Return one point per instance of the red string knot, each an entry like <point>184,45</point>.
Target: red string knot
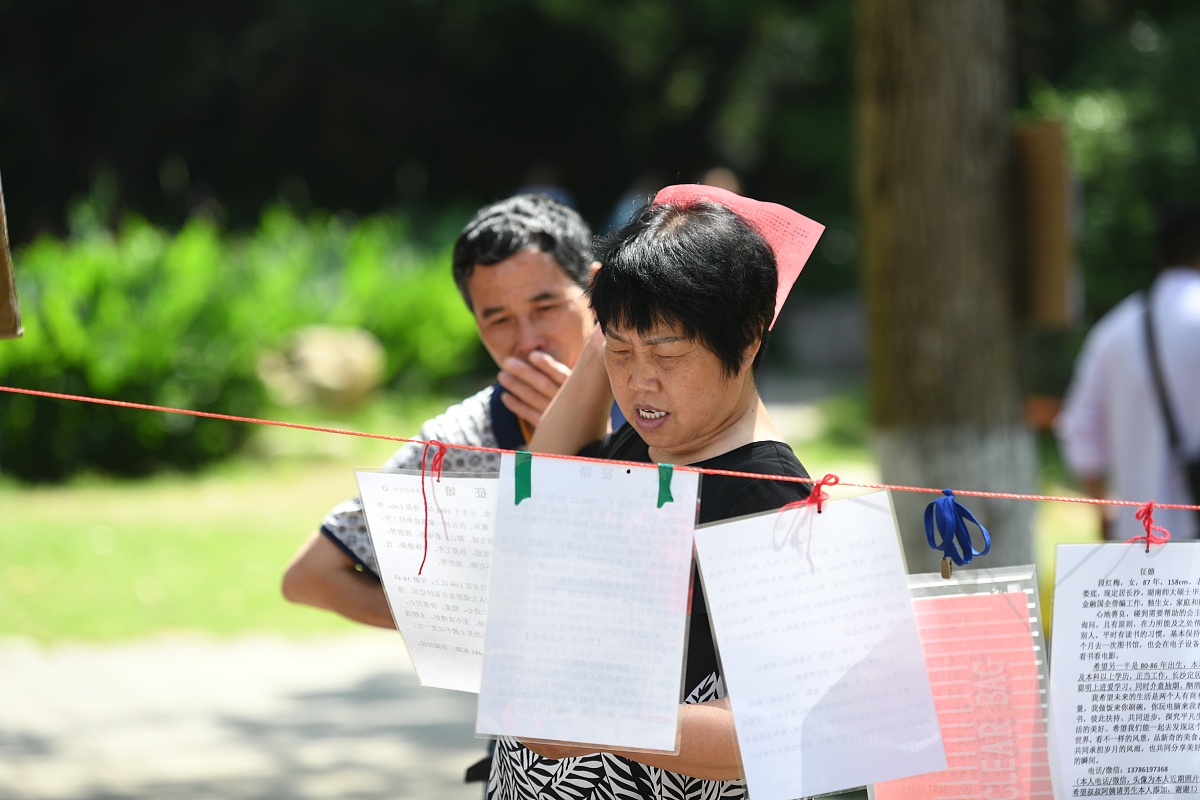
<point>818,495</point>
<point>435,470</point>
<point>1145,515</point>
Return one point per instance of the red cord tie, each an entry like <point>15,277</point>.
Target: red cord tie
<point>1145,515</point>
<point>818,495</point>
<point>435,470</point>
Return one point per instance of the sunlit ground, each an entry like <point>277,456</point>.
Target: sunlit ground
<point>101,559</point>
<point>1059,523</point>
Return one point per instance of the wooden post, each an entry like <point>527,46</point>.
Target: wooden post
<point>10,310</point>
<point>1046,278</point>
<point>1049,246</point>
<point>934,157</point>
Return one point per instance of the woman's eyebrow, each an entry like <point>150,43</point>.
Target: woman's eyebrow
<point>664,339</point>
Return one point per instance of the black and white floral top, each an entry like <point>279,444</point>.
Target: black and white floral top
<point>520,774</point>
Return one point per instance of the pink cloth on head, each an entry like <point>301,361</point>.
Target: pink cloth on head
<point>792,236</point>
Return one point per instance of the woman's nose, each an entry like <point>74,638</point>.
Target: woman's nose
<point>643,377</point>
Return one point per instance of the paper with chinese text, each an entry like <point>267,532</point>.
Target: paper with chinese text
<point>1125,672</point>
<point>588,606</point>
<point>819,648</point>
<point>441,613</point>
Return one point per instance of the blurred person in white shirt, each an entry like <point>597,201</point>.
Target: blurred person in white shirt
<point>1112,430</point>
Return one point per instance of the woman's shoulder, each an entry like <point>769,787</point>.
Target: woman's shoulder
<point>764,458</point>
<point>725,497</point>
<point>623,444</point>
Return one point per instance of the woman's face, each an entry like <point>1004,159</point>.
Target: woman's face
<point>673,389</point>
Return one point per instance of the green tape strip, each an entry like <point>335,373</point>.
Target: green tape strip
<point>664,484</point>
<point>524,476</point>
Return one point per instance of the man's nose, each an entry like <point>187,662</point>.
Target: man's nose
<point>529,338</point>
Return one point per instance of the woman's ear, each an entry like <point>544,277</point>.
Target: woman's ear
<point>749,356</point>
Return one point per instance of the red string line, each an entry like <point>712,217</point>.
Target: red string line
<point>435,470</point>
<point>1094,501</point>
<point>1145,515</point>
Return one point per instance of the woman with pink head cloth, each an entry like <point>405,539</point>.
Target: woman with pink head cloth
<point>686,295</point>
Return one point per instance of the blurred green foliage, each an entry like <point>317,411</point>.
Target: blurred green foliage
<point>847,419</point>
<point>180,319</point>
<point>229,106</point>
<point>1122,76</point>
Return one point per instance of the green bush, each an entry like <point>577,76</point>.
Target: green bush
<point>181,319</point>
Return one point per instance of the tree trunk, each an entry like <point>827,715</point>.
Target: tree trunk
<point>934,96</point>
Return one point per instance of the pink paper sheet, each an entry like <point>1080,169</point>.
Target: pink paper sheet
<point>980,656</point>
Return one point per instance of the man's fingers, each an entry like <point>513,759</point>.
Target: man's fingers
<point>554,369</point>
<point>533,376</point>
<point>521,409</point>
<point>524,392</point>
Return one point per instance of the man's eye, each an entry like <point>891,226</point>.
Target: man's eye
<point>495,323</point>
<point>549,308</point>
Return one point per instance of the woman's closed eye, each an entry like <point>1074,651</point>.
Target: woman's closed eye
<point>671,351</point>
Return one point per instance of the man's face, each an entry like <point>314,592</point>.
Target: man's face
<point>527,302</point>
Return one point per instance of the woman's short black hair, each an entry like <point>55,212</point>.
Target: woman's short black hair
<point>700,266</point>
<point>523,222</point>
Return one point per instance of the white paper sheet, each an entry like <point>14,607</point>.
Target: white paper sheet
<point>588,606</point>
<point>819,648</point>
<point>1125,669</point>
<point>441,613</point>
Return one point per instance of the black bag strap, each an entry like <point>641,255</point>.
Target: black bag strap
<point>1159,387</point>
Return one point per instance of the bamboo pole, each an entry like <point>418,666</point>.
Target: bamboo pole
<point>10,309</point>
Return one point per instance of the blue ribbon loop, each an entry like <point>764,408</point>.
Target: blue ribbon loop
<point>952,519</point>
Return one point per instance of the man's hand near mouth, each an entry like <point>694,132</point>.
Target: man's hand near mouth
<point>531,385</point>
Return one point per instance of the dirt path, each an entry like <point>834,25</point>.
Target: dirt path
<point>255,716</point>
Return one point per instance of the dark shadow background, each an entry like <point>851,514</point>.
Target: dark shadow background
<point>226,106</point>
<point>363,106</point>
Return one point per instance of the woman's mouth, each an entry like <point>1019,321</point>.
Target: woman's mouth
<point>649,419</point>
